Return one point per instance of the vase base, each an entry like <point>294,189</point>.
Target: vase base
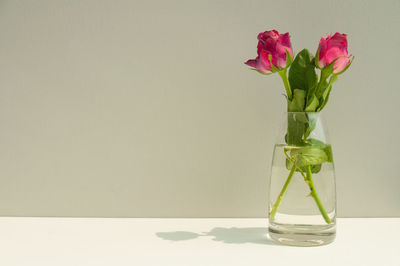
<point>302,238</point>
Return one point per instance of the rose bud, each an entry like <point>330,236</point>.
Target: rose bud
<point>333,49</point>
<point>274,47</point>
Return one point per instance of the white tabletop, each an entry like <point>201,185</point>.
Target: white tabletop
<point>123,241</point>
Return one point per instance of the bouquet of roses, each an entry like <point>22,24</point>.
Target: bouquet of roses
<point>306,93</point>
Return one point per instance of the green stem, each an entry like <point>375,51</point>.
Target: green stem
<point>315,195</point>
<point>280,196</point>
<point>285,80</point>
<point>323,77</point>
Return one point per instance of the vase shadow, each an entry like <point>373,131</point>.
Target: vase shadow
<point>232,235</point>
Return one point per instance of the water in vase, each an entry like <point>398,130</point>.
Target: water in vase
<point>302,218</point>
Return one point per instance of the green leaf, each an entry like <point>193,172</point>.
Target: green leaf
<point>325,99</point>
<point>328,151</point>
<point>299,99</point>
<point>326,147</point>
<point>312,89</point>
<point>314,153</point>
<point>308,155</point>
<point>311,123</point>
<point>333,79</point>
<point>315,142</point>
<point>296,127</point>
<point>312,104</point>
<point>324,84</point>
<point>326,92</point>
<point>302,73</point>
<point>311,76</point>
<point>315,168</point>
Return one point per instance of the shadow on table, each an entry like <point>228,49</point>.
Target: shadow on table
<point>233,235</point>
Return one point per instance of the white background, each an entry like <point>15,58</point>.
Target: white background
<point>153,242</point>
<point>145,108</point>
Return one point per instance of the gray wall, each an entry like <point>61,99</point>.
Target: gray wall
<point>145,108</point>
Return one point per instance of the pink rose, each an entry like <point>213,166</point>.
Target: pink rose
<point>274,45</point>
<point>333,48</point>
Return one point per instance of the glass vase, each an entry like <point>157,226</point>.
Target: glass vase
<point>302,198</point>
